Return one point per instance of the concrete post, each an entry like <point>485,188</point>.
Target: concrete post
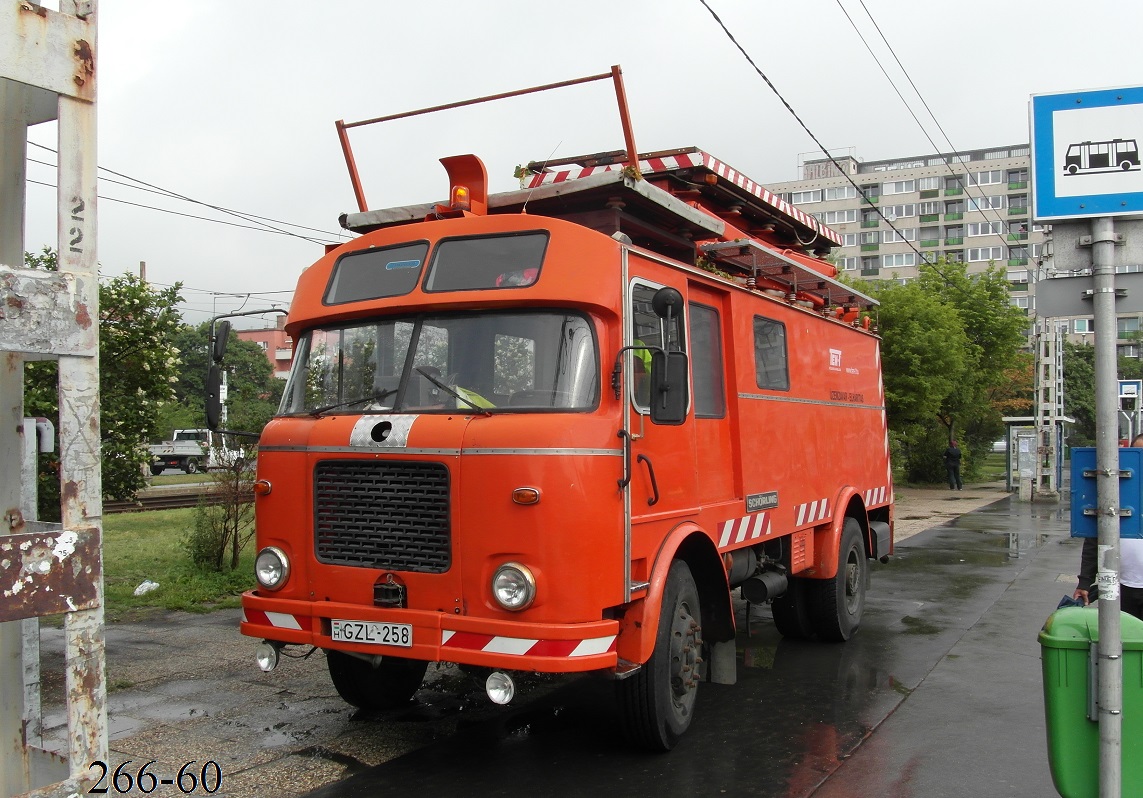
<point>13,153</point>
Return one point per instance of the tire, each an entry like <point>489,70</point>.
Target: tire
<point>657,703</point>
<point>836,605</point>
<point>191,466</point>
<point>791,611</point>
<point>1073,169</point>
<point>390,684</point>
<point>1126,165</point>
<point>156,470</point>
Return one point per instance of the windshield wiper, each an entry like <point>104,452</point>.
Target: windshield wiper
<point>450,391</point>
<point>377,397</point>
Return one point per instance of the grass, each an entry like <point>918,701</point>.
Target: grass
<point>172,477</point>
<point>994,467</point>
<point>148,545</point>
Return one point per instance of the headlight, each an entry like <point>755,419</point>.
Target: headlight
<point>272,568</point>
<point>513,586</point>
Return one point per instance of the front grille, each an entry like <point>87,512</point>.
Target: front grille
<point>391,515</point>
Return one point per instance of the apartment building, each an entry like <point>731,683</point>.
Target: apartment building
<point>276,343</point>
<point>966,207</point>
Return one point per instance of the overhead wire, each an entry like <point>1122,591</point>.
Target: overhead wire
<point>260,222</point>
<point>809,132</point>
<point>191,215</point>
<point>909,108</point>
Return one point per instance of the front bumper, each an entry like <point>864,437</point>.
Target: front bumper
<point>437,637</point>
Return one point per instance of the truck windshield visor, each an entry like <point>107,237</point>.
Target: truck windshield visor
<point>483,362</point>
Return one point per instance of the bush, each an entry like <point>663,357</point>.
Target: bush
<point>224,519</point>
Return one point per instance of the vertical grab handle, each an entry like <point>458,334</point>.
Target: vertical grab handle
<point>626,480</point>
<point>653,500</point>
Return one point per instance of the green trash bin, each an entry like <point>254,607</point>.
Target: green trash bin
<point>1067,649</point>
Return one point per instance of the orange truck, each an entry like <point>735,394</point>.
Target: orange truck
<point>567,429</point>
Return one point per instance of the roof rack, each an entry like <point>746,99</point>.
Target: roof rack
<point>691,170</point>
<point>783,270</point>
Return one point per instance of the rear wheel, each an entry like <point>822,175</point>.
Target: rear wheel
<point>836,605</point>
<point>192,466</point>
<point>156,470</point>
<point>657,703</point>
<point>791,611</point>
<point>388,684</point>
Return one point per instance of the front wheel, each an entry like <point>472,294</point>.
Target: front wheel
<point>389,683</point>
<point>1126,165</point>
<point>657,703</point>
<point>836,605</point>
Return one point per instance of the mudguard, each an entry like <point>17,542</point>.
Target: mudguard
<point>639,624</point>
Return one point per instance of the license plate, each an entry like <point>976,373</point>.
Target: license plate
<point>370,632</point>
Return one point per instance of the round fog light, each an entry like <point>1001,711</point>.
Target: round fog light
<point>500,687</point>
<point>266,655</point>
<point>272,568</point>
<point>513,586</point>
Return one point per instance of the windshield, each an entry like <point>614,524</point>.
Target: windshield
<point>482,362</point>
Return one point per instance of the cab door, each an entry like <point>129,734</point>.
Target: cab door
<point>661,492</point>
<point>717,456</point>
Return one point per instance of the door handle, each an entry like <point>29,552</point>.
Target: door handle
<point>652,501</point>
<point>626,480</point>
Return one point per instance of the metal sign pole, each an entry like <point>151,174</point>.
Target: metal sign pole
<point>1110,667</point>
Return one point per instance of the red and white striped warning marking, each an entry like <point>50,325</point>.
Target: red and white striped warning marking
<point>876,496</point>
<point>748,527</point>
<point>522,646</point>
<point>279,620</point>
<point>812,512</point>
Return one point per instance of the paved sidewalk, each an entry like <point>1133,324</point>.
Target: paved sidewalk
<point>918,509</point>
<point>975,724</point>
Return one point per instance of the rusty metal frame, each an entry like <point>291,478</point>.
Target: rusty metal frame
<point>616,76</point>
<point>47,71</point>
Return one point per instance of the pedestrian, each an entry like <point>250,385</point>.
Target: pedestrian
<point>952,466</point>
<point>1130,569</point>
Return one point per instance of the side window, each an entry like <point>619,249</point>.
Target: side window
<point>770,358</point>
<point>648,330</point>
<point>706,363</point>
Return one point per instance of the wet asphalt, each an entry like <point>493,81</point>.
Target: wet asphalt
<point>938,694</point>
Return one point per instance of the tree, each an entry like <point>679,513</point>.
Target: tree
<point>1079,388</point>
<point>1079,392</point>
<point>137,365</point>
<point>951,361</point>
<point>254,392</point>
<point>923,353</point>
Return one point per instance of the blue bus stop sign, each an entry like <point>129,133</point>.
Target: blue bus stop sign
<point>1085,153</point>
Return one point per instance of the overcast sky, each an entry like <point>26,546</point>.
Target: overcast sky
<point>233,103</point>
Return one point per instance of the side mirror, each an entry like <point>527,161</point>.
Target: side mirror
<point>669,387</point>
<point>218,345</point>
<point>214,396</point>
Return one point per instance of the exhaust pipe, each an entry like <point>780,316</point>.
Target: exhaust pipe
<point>764,586</point>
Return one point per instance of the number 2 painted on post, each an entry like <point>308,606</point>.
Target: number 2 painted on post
<point>76,232</point>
